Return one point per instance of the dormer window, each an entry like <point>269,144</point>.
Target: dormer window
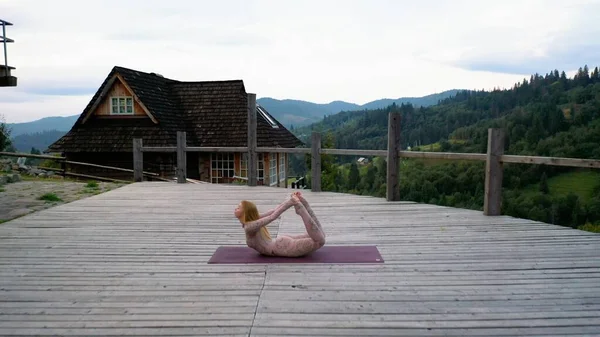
<point>121,105</point>
<point>266,116</point>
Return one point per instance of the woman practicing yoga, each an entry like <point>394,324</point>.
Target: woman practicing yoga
<point>258,237</point>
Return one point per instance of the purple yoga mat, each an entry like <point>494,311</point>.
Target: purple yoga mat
<point>327,254</point>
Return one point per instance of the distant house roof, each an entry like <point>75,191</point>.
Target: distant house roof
<point>213,113</point>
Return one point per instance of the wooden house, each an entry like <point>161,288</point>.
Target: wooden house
<point>133,104</point>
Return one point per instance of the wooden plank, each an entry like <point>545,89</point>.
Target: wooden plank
<point>315,181</point>
<point>252,142</point>
<point>493,173</point>
<point>89,176</point>
<point>297,150</point>
<point>421,330</point>
<point>109,167</point>
<point>393,165</point>
<point>165,149</point>
<point>287,173</point>
<point>29,155</point>
<point>552,161</point>
<point>443,155</point>
<point>181,157</point>
<point>138,160</point>
<point>133,261</point>
<point>355,152</point>
<point>216,149</point>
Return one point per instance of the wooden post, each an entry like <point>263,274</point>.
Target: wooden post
<point>393,158</point>
<point>493,173</point>
<point>63,167</point>
<point>286,156</point>
<point>316,162</point>
<point>252,157</point>
<point>181,157</point>
<point>278,168</point>
<point>138,160</point>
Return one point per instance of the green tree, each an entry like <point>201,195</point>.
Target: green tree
<point>353,177</point>
<point>544,184</point>
<point>4,135</point>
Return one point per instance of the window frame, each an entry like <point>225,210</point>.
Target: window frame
<point>272,169</point>
<point>221,162</point>
<point>282,166</point>
<point>128,99</point>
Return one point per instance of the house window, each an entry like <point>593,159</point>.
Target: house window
<point>244,165</point>
<point>121,105</point>
<point>273,169</point>
<point>266,116</point>
<point>222,167</point>
<point>282,167</point>
<point>260,167</point>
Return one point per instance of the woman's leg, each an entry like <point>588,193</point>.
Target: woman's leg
<point>288,247</point>
<point>310,211</point>
<point>312,228</point>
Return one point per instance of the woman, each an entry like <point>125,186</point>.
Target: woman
<point>258,237</point>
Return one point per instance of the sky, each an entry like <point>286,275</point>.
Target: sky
<point>318,51</point>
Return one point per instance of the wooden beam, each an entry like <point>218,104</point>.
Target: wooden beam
<point>108,167</point>
<point>553,161</point>
<point>277,155</point>
<point>393,159</point>
<point>159,149</point>
<point>492,204</point>
<point>354,152</point>
<point>252,156</point>
<point>99,99</point>
<point>29,155</point>
<point>137,99</point>
<point>315,184</point>
<point>297,150</point>
<point>443,155</point>
<point>285,184</point>
<point>181,157</point>
<point>138,160</point>
<point>79,175</point>
<point>216,149</point>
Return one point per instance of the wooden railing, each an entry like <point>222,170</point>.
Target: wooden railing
<point>63,171</point>
<point>494,158</point>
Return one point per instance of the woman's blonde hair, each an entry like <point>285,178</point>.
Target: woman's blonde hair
<point>250,213</point>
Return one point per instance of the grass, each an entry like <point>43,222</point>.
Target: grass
<point>582,183</point>
<point>2,189</point>
<point>588,227</point>
<point>92,185</point>
<point>50,197</point>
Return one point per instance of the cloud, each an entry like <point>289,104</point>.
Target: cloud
<point>321,51</point>
<point>536,37</point>
<point>61,91</point>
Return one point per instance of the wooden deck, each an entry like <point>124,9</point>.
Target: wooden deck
<point>133,262</point>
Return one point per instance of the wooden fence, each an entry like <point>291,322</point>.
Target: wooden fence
<point>63,170</point>
<point>494,158</point>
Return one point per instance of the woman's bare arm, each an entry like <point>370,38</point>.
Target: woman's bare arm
<point>254,226</point>
<point>269,212</point>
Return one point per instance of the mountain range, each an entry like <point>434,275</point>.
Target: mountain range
<point>42,132</point>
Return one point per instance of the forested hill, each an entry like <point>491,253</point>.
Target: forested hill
<point>533,112</point>
<point>549,115</point>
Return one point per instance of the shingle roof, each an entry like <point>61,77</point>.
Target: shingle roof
<point>213,113</point>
